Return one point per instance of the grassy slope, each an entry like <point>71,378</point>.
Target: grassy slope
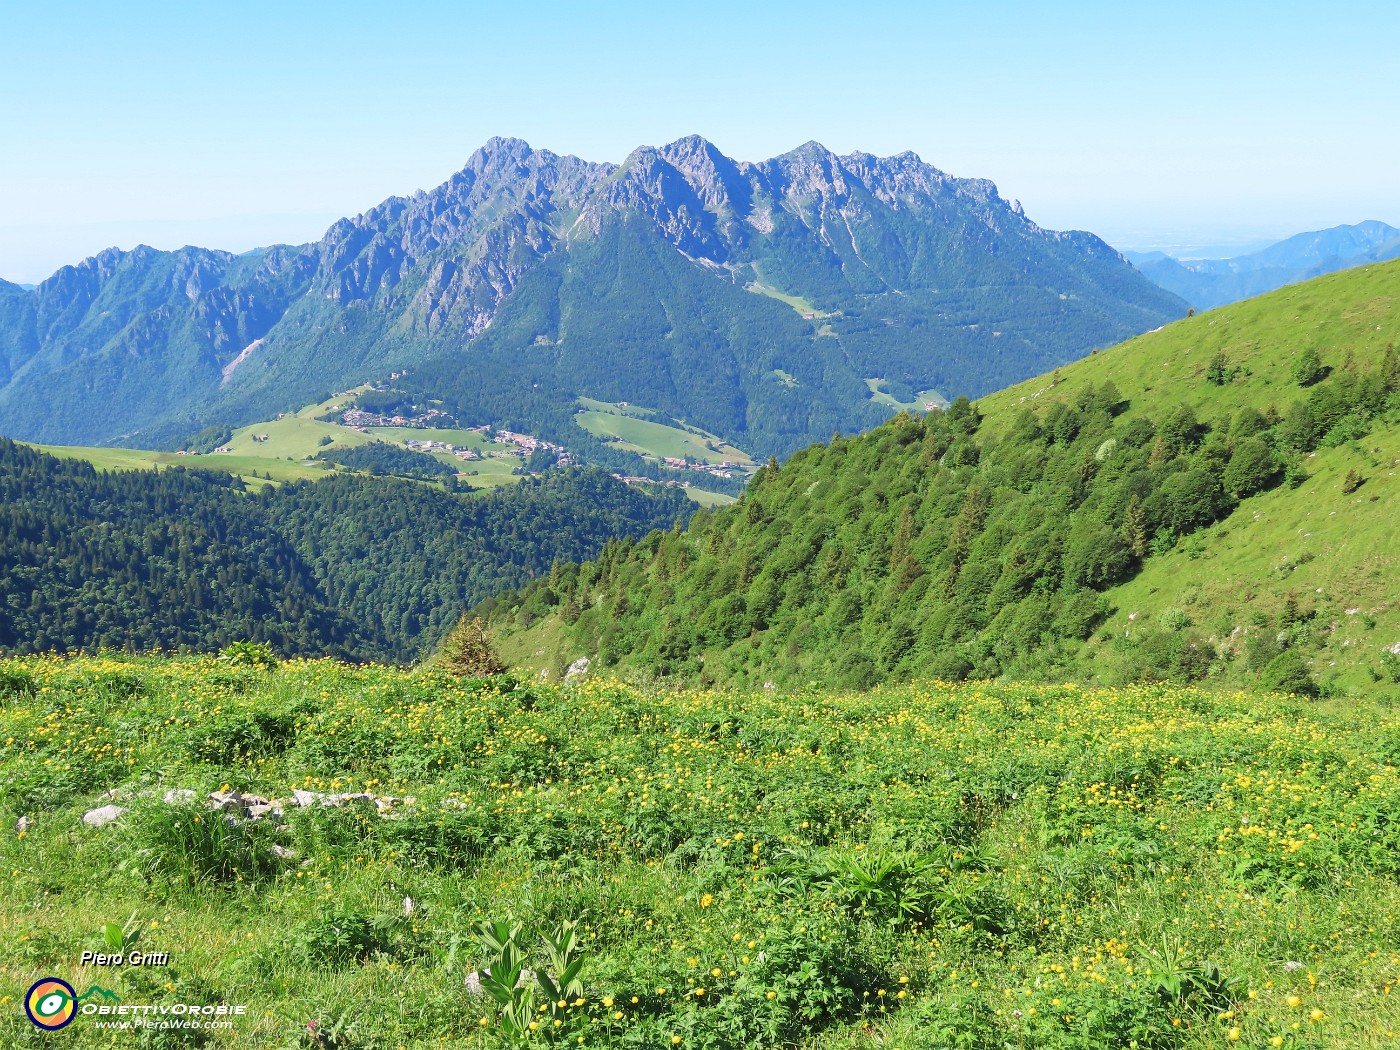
<point>104,458</point>
<point>878,393</point>
<point>731,843</point>
<point>708,499</point>
<point>1337,552</point>
<point>659,440</point>
<point>1357,310</point>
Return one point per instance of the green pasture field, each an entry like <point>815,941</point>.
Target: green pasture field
<point>801,305</point>
<point>706,498</point>
<point>245,466</point>
<point>658,440</point>
<point>291,443</point>
<point>878,393</point>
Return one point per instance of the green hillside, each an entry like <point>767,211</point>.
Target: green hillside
<point>974,866</point>
<point>1336,552</point>
<point>1207,501</point>
<point>359,567</point>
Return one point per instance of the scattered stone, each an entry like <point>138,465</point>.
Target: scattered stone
<point>408,905</point>
<point>95,818</point>
<point>282,852</point>
<point>577,669</point>
<point>236,806</point>
<point>231,802</point>
<point>1292,966</point>
<point>24,824</point>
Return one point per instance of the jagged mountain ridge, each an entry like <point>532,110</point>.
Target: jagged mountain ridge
<point>145,346</point>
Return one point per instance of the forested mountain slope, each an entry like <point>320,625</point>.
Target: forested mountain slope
<point>752,300</point>
<point>364,568</point>
<point>1205,500</point>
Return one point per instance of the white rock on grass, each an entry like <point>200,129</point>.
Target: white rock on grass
<point>175,796</point>
<point>95,818</point>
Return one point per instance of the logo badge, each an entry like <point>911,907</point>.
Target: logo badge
<point>51,1003</point>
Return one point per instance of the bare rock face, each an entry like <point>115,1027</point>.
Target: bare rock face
<point>102,815</point>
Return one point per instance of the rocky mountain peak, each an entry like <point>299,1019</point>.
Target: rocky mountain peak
<point>499,150</point>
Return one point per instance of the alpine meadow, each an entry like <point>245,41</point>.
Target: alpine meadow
<point>666,601</point>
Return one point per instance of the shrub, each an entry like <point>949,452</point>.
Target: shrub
<point>1288,673</point>
<point>1251,469</point>
<point>249,654</point>
<point>346,936</point>
<point>192,845</point>
<point>1308,369</point>
<point>1175,619</point>
<point>229,740</point>
<point>467,652</point>
<point>15,684</point>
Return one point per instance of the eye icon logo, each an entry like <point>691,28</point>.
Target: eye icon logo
<point>51,1003</point>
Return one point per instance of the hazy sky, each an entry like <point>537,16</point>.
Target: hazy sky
<point>233,125</point>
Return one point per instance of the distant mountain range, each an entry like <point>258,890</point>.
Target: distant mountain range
<point>1207,283</point>
<point>765,303</point>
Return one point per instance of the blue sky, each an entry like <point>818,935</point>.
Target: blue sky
<point>232,125</point>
